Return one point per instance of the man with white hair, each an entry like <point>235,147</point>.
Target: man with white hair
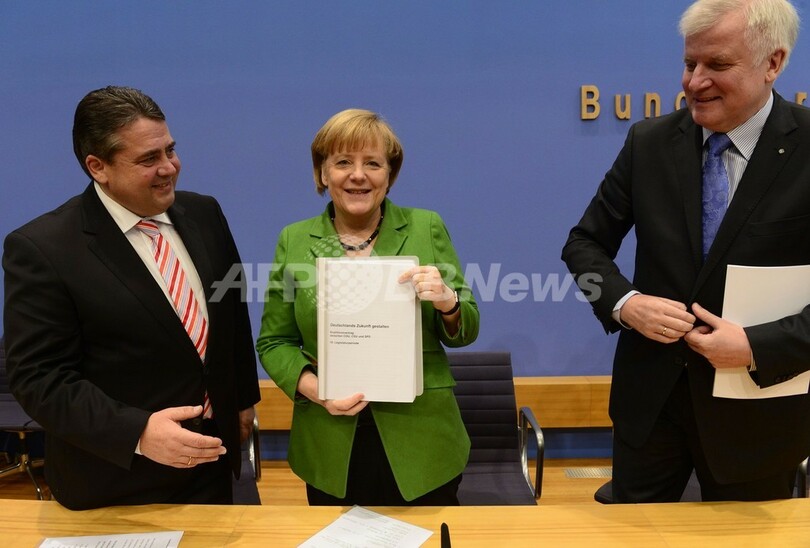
<point>726,181</point>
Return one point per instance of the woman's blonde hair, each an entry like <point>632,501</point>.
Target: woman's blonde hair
<point>352,130</point>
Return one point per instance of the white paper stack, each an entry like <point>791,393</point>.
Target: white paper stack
<point>369,329</point>
<point>756,295</point>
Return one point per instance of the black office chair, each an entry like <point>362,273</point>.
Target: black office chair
<point>802,488</point>
<point>497,472</point>
<point>245,490</point>
<point>14,421</point>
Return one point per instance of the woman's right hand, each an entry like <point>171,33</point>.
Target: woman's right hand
<point>347,406</point>
<point>308,387</point>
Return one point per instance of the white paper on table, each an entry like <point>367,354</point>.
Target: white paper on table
<point>362,527</point>
<point>756,295</point>
<point>369,329</point>
<point>161,539</point>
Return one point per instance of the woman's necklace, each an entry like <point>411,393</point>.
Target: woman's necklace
<point>362,246</point>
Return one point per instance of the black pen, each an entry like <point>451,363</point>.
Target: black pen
<point>445,542</point>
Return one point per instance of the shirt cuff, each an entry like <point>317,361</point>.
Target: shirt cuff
<point>617,308</point>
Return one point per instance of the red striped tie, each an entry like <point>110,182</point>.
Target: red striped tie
<point>185,304</point>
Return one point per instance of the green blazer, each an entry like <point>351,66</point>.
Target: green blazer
<point>426,442</point>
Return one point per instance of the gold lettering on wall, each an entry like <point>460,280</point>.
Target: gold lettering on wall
<point>622,112</point>
<point>589,102</point>
<point>590,109</point>
<point>652,100</point>
<point>680,100</point>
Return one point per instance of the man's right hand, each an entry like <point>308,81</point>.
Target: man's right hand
<point>657,318</point>
<point>165,441</point>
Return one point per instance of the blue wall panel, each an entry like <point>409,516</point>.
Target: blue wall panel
<point>484,95</point>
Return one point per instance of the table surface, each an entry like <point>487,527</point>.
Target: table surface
<point>783,523</point>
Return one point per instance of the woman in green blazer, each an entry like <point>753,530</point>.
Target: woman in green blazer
<point>351,451</point>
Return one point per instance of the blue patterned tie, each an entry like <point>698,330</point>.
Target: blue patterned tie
<point>715,188</point>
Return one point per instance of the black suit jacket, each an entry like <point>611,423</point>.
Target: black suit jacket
<point>94,347</point>
<point>655,186</point>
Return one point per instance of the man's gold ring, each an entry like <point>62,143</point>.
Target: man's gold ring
<point>189,461</point>
<point>664,331</point>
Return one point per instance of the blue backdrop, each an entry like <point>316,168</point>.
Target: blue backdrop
<point>484,95</point>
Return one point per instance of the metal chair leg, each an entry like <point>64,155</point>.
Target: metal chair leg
<point>26,462</point>
<point>13,467</point>
<point>23,463</point>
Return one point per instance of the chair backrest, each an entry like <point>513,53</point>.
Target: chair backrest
<point>5,391</point>
<point>486,396</point>
<point>6,396</point>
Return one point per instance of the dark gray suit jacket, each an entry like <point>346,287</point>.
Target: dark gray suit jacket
<point>94,347</point>
<point>655,187</point>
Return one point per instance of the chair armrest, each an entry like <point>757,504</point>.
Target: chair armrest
<point>527,420</point>
<point>255,450</point>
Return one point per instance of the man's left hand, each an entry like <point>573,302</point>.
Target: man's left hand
<point>723,343</point>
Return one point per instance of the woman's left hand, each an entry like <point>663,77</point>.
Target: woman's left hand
<point>429,286</point>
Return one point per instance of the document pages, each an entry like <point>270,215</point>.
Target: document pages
<point>756,295</point>
<point>369,329</point>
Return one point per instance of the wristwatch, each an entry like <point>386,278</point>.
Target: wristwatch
<point>455,306</point>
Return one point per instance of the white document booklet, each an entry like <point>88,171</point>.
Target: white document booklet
<point>755,295</point>
<point>369,329</point>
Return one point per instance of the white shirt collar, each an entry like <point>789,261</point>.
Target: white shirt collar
<point>124,218</point>
<point>745,136</point>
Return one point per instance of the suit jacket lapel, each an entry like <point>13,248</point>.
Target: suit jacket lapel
<point>190,234</point>
<point>687,154</point>
<point>114,250</point>
<point>774,148</point>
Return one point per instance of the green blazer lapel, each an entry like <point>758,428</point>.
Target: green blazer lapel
<point>393,231</point>
<point>324,241</point>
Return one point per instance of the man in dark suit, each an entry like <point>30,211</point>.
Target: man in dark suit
<point>666,421</point>
<point>97,350</point>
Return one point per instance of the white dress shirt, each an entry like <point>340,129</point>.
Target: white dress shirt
<point>142,244</point>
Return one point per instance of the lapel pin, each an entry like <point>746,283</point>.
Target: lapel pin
<point>781,151</point>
